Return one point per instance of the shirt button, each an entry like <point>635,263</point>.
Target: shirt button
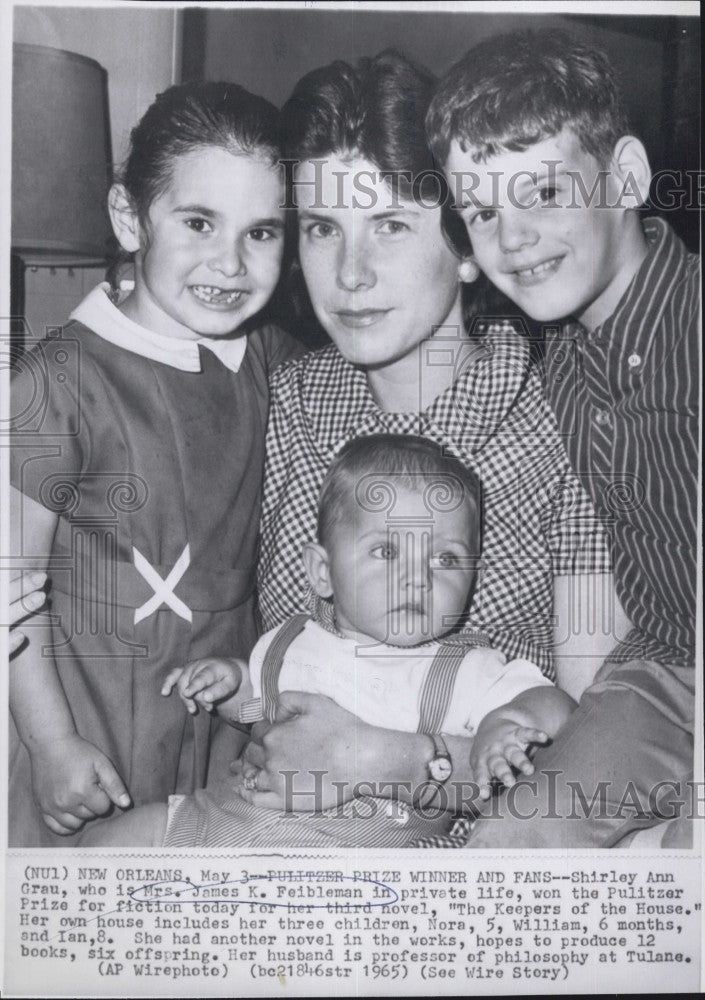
<point>602,417</point>
<point>634,360</point>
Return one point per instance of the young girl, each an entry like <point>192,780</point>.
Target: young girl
<point>137,481</point>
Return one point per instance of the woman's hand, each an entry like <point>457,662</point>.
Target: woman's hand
<point>26,598</point>
<point>318,755</point>
<point>294,764</point>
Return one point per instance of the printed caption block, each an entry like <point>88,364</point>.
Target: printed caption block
<point>449,923</point>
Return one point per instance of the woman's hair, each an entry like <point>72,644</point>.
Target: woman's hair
<point>188,117</point>
<point>376,110</point>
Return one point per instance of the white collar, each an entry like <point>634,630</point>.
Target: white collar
<point>104,318</point>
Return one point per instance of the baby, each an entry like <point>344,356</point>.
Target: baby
<point>391,576</point>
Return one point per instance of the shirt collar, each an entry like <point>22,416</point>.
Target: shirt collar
<point>636,319</point>
<point>103,317</point>
<point>473,408</point>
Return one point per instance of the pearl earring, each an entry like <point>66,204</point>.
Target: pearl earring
<point>468,270</point>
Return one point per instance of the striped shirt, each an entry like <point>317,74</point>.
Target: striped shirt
<point>537,520</point>
<point>626,399</point>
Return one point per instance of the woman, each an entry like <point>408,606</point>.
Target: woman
<point>384,281</point>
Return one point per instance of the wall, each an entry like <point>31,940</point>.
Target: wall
<point>268,50</point>
<point>141,50</point>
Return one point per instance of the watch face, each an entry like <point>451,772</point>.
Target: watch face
<point>440,768</point>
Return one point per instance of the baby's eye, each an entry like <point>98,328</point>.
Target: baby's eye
<point>445,560</point>
<point>392,227</point>
<point>383,551</point>
<point>199,225</point>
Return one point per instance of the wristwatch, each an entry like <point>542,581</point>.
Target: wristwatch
<point>440,766</point>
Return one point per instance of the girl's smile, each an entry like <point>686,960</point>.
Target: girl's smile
<point>209,252</point>
<point>219,298</point>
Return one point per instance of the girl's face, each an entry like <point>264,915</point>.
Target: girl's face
<point>210,255</point>
<point>379,273</point>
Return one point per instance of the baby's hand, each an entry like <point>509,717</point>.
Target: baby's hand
<point>499,746</point>
<point>73,781</point>
<point>204,682</point>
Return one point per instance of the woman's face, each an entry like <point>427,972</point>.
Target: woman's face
<point>378,270</point>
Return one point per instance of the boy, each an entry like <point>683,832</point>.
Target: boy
<point>536,148</point>
<point>392,574</point>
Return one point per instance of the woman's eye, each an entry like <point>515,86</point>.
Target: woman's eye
<point>199,225</point>
<point>445,560</point>
<point>392,227</point>
<point>383,551</point>
<point>320,230</point>
<point>262,235</point>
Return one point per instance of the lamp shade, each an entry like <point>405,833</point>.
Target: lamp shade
<point>60,157</point>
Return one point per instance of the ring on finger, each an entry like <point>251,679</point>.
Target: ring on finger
<point>250,781</point>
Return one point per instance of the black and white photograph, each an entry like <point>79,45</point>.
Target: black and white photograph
<point>350,564</point>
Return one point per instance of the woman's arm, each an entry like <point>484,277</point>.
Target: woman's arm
<point>317,754</point>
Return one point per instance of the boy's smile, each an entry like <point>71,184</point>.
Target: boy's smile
<point>548,228</point>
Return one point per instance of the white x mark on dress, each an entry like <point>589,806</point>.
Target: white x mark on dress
<point>163,589</point>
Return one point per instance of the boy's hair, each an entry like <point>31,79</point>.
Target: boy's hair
<point>367,470</point>
<point>516,89</point>
<point>188,117</point>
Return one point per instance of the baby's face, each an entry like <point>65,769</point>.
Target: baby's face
<point>402,571</point>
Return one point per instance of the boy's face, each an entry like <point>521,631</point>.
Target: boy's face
<point>403,575</point>
<point>546,227</point>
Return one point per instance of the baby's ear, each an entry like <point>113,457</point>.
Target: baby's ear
<point>124,219</point>
<point>632,173</point>
<point>317,569</point>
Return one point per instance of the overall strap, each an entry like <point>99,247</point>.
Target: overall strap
<point>273,660</point>
<point>438,687</point>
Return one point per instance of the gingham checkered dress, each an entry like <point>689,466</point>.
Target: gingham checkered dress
<point>537,519</point>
